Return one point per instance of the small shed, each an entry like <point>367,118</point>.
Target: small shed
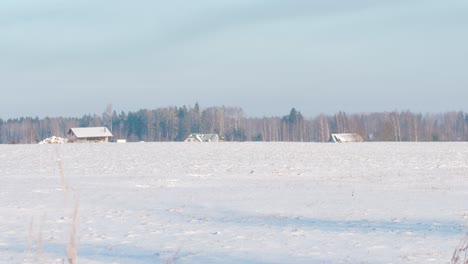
<point>202,138</point>
<point>348,137</point>
<point>89,134</point>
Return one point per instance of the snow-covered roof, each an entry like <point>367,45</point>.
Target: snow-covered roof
<point>349,137</point>
<point>90,132</point>
<point>202,138</point>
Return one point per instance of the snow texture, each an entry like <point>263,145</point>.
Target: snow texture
<point>53,140</point>
<point>234,202</point>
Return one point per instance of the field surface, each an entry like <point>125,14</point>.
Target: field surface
<point>233,202</point>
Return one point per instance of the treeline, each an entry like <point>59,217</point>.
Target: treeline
<point>231,123</point>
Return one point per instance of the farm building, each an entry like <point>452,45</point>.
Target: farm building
<point>89,135</point>
<point>350,137</point>
<point>202,138</point>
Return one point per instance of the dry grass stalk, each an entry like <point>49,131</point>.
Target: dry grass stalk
<point>172,258</point>
<point>34,245</point>
<point>460,255</point>
<point>39,241</point>
<point>63,179</point>
<point>30,240</point>
<point>72,249</point>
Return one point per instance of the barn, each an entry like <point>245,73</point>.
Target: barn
<point>202,138</point>
<point>88,134</point>
<point>349,137</point>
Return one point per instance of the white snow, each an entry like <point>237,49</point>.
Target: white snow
<point>234,202</point>
<point>53,140</point>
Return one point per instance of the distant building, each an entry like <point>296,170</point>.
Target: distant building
<point>202,138</point>
<point>89,135</point>
<point>349,137</point>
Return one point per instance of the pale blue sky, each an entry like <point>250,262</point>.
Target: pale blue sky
<point>69,58</point>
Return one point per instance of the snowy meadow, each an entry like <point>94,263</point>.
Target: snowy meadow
<point>233,202</point>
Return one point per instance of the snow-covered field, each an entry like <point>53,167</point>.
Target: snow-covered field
<point>234,202</point>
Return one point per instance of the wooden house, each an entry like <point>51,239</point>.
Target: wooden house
<point>89,135</point>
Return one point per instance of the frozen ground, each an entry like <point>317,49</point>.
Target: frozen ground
<point>234,202</point>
